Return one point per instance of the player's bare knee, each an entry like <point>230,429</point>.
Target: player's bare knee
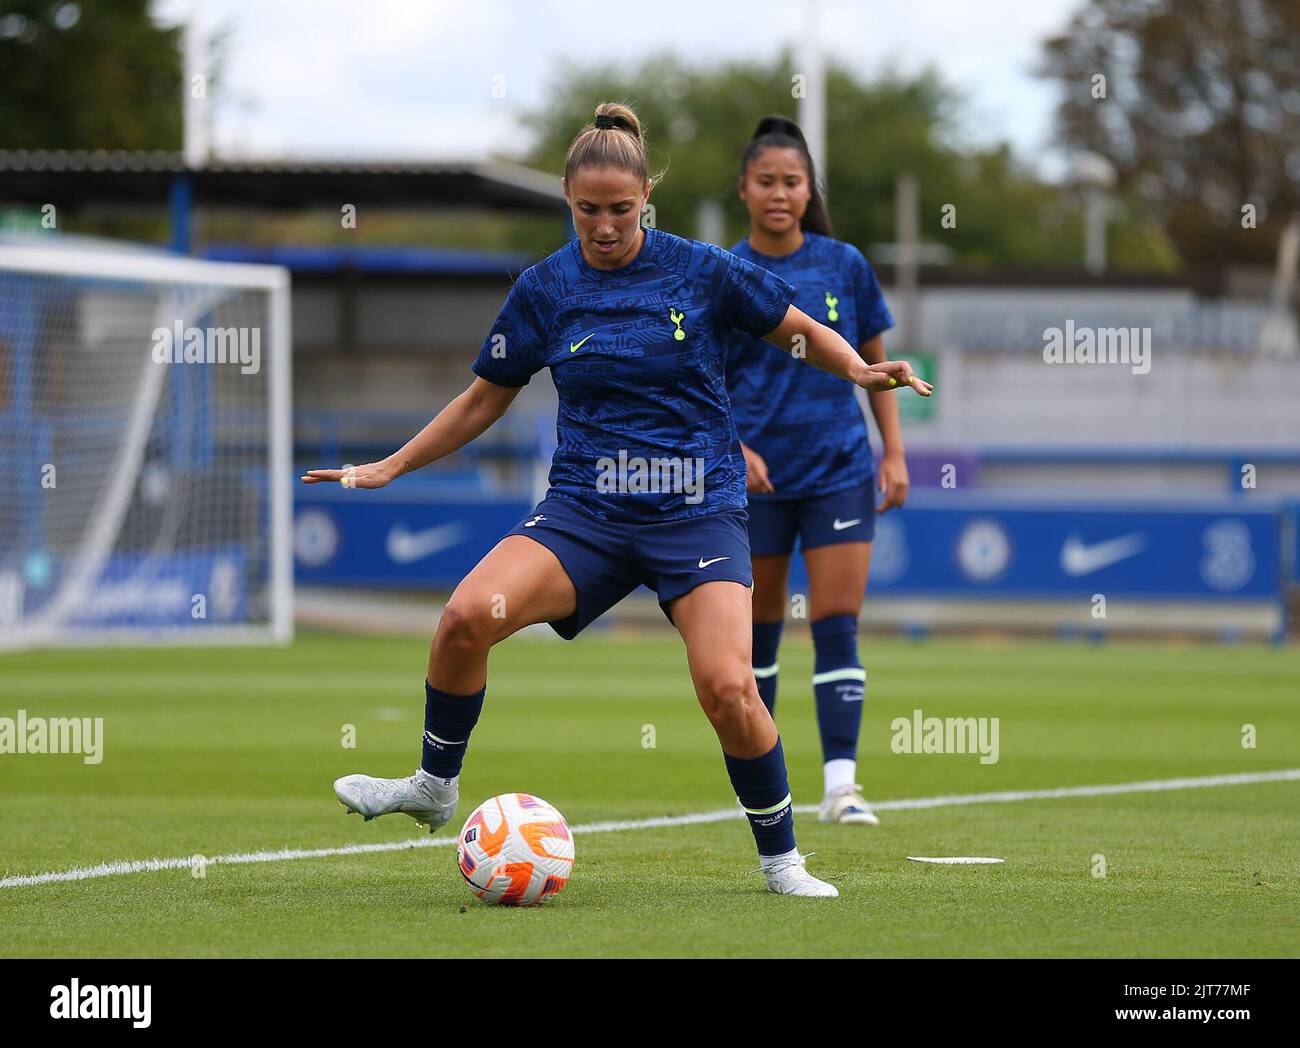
<point>724,694</point>
<point>463,628</point>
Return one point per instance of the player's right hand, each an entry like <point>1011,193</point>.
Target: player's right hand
<point>370,475</point>
<point>756,480</point>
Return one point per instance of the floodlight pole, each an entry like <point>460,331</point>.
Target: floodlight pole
<point>811,112</point>
<point>907,265</point>
<point>194,89</point>
<point>1096,207</point>
<point>194,129</point>
<point>1095,176</point>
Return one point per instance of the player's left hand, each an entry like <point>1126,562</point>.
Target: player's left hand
<point>893,481</point>
<point>893,374</point>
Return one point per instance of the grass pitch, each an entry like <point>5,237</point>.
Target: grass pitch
<point>218,751</point>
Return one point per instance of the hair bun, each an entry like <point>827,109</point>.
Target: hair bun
<point>617,116</point>
<point>778,125</point>
<point>626,151</point>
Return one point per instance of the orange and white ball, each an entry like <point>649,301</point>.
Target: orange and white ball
<point>515,850</point>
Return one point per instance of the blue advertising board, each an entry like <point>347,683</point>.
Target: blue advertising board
<point>948,545</point>
<point>941,544</point>
<point>138,589</point>
<point>381,538</point>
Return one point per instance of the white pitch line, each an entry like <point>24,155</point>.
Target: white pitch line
<point>1153,786</point>
<point>114,869</point>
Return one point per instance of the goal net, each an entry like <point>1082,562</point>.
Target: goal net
<point>144,449</point>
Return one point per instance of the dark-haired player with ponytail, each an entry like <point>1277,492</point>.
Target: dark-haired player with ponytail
<point>647,483</point>
<point>806,448</point>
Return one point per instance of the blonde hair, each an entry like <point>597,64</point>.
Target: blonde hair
<point>621,146</point>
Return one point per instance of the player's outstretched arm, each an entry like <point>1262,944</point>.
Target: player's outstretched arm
<point>825,348</point>
<point>465,418</point>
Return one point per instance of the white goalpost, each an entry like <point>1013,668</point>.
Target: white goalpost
<point>145,459</point>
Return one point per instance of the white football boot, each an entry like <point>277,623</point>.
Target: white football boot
<point>788,877</point>
<point>845,804</point>
<point>424,798</point>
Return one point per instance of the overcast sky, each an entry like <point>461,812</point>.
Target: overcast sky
<point>405,78</point>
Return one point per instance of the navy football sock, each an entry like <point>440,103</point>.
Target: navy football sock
<point>839,682</point>
<point>767,638</point>
<point>764,792</point>
<point>448,721</point>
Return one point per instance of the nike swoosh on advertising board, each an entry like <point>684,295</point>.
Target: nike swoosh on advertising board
<point>405,546</point>
<point>1080,559</point>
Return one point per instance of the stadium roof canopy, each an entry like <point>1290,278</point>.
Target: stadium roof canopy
<point>74,179</point>
<point>388,261</point>
<point>82,177</point>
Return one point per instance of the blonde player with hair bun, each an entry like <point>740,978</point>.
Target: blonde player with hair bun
<point>603,313</point>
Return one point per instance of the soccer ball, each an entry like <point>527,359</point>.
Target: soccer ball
<point>515,850</point>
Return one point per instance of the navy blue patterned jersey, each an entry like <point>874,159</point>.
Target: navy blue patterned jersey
<point>638,357</point>
<point>805,423</point>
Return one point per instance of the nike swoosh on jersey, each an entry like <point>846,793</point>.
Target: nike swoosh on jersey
<point>575,346</point>
<point>705,563</point>
<point>840,525</point>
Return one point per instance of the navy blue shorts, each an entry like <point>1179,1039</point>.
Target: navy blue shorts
<point>607,560</point>
<point>848,515</point>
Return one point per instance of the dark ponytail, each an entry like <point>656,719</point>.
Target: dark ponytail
<point>778,132</point>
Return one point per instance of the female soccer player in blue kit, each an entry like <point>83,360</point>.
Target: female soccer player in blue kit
<point>647,484</point>
<point>806,448</point>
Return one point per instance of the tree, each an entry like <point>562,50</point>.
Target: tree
<point>1200,114</point>
<point>698,120</point>
<point>94,74</point>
